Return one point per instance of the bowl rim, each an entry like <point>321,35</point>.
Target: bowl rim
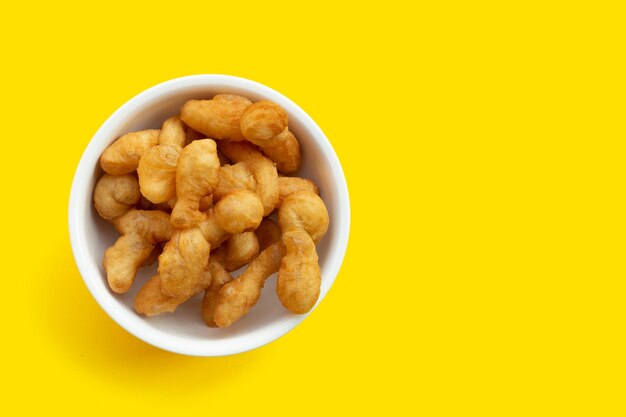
<point>138,327</point>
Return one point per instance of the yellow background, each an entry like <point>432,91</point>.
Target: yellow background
<point>484,150</point>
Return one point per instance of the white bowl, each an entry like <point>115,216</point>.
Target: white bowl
<point>184,331</point>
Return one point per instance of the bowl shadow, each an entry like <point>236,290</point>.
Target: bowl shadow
<point>87,337</point>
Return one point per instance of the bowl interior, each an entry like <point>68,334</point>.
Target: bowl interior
<point>184,331</point>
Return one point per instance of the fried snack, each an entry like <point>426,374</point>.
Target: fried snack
<point>218,194</point>
<point>185,256</point>
<point>239,249</point>
<point>303,220</point>
<point>219,277</point>
<point>261,168</point>
<point>267,233</point>
<point>157,173</point>
<point>151,301</point>
<point>115,195</point>
<point>183,262</point>
<point>218,118</point>
<point>238,296</point>
<point>266,125</point>
<point>197,175</point>
<point>172,133</point>
<point>304,210</point>
<point>291,185</point>
<point>141,230</point>
<point>157,166</point>
<point>238,212</point>
<point>299,275</point>
<point>286,155</point>
<point>244,293</point>
<point>122,157</point>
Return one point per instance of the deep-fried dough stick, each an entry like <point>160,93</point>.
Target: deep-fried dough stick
<point>217,118</point>
<point>238,212</point>
<point>172,133</point>
<point>122,157</point>
<point>157,166</point>
<point>141,230</point>
<point>244,292</point>
<point>299,276</point>
<point>291,185</point>
<point>304,210</point>
<point>303,220</point>
<point>239,295</point>
<point>197,174</point>
<point>151,301</point>
<point>266,125</point>
<point>261,168</point>
<point>219,277</point>
<point>183,261</point>
<point>286,155</point>
<point>115,195</point>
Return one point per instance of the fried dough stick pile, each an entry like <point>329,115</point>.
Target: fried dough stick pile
<point>196,194</point>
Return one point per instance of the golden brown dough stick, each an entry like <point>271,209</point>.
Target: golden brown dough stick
<point>217,118</point>
<point>186,254</point>
<point>197,175</point>
<point>157,166</point>
<point>157,173</point>
<point>183,261</point>
<point>151,301</point>
<point>115,195</point>
<point>286,155</point>
<point>261,168</point>
<point>304,210</point>
<point>238,296</point>
<point>172,133</point>
<point>141,230</point>
<point>300,276</point>
<point>238,212</point>
<point>266,125</point>
<point>122,157</point>
<point>267,233</point>
<point>219,277</point>
<point>303,220</point>
<point>291,185</point>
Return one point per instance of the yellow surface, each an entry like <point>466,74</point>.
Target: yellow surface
<point>484,150</point>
